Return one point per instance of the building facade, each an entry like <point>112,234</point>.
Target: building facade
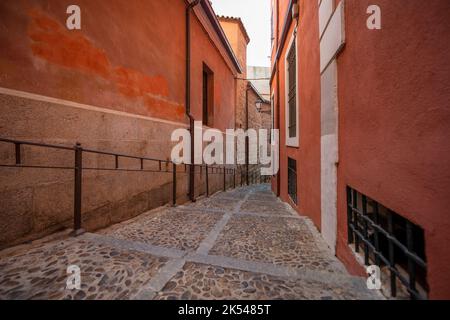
<point>360,95</point>
<point>252,107</point>
<point>259,77</point>
<point>119,84</point>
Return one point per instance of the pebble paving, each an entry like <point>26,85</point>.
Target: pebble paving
<point>169,228</point>
<point>199,281</point>
<point>106,273</point>
<point>239,244</point>
<point>281,241</point>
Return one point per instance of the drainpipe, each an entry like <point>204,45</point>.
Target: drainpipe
<point>278,126</point>
<point>188,96</point>
<point>278,98</point>
<point>246,128</point>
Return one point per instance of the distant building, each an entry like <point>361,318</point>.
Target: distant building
<point>260,78</point>
<point>252,106</point>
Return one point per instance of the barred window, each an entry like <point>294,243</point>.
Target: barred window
<point>292,179</point>
<point>390,241</point>
<point>292,91</point>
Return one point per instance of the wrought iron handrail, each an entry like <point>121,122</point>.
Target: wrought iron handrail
<point>78,170</point>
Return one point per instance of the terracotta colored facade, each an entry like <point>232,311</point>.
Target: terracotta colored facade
<point>392,118</point>
<point>118,84</point>
<point>239,39</point>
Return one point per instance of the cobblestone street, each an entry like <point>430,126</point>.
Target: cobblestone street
<point>240,244</point>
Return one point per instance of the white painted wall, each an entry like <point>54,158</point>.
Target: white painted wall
<point>329,154</point>
<point>332,33</point>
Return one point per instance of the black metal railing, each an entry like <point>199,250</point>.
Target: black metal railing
<point>163,166</point>
<point>371,229</point>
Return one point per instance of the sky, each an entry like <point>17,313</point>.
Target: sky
<point>255,14</point>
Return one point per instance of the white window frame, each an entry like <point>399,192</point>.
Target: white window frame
<point>292,141</point>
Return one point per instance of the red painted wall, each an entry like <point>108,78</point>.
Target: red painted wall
<point>308,154</point>
<point>394,121</point>
<point>224,81</point>
<point>128,56</point>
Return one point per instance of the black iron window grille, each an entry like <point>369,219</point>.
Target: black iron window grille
<point>292,91</point>
<point>390,241</point>
<point>292,179</point>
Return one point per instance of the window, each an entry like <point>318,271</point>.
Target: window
<point>292,179</point>
<point>292,128</point>
<point>390,241</point>
<point>208,96</point>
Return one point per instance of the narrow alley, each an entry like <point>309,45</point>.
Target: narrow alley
<point>240,244</point>
<point>225,150</point>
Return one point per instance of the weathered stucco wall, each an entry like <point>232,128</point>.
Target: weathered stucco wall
<point>238,43</point>
<point>121,58</point>
<point>114,81</point>
<point>203,51</point>
<point>393,93</point>
<point>394,120</point>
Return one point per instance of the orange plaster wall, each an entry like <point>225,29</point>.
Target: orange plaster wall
<point>128,56</point>
<point>203,51</point>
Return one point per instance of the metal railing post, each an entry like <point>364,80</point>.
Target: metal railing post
<point>234,178</point>
<point>247,175</point>
<point>224,179</point>
<point>207,181</point>
<point>78,171</point>
<point>174,184</point>
<point>18,157</point>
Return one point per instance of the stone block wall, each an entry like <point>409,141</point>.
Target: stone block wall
<point>38,202</point>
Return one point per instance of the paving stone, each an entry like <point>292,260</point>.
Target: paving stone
<point>216,203</point>
<point>273,207</point>
<point>200,281</point>
<point>240,244</point>
<point>41,273</point>
<point>237,194</point>
<point>280,241</point>
<point>170,228</point>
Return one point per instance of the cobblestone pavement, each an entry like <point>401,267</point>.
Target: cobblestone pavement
<point>240,244</point>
